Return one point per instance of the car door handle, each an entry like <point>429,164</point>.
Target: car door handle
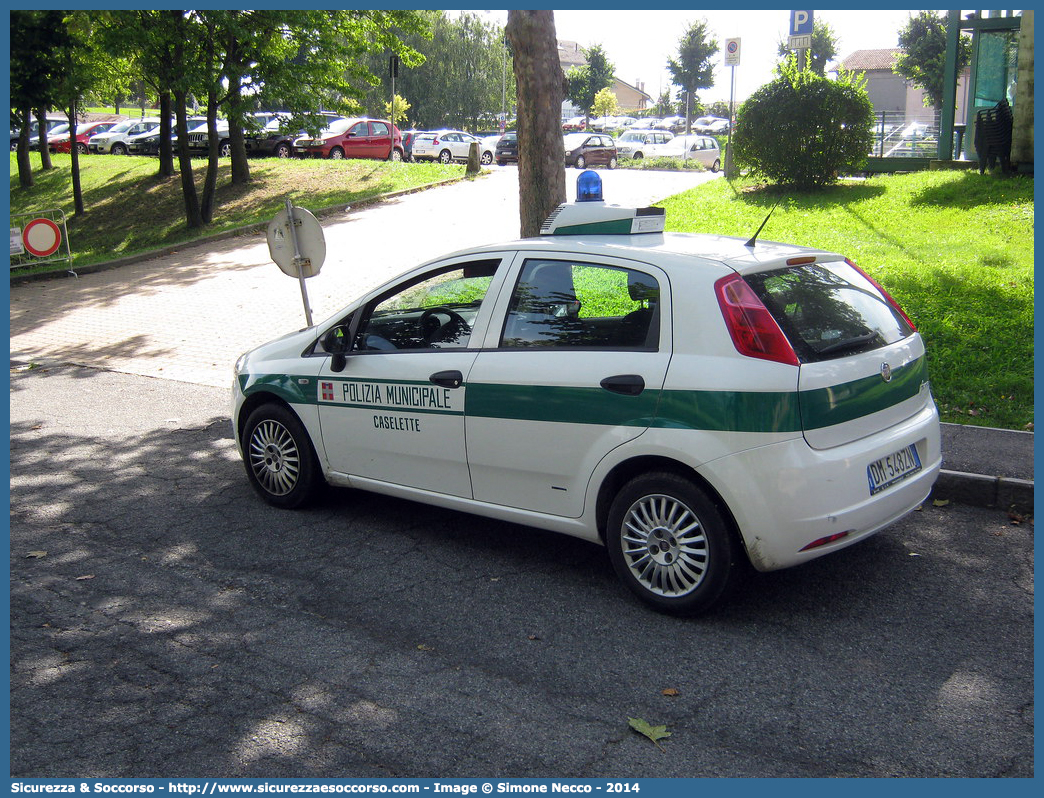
<point>447,379</point>
<point>626,384</point>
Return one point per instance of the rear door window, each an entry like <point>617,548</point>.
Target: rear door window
<point>829,310</point>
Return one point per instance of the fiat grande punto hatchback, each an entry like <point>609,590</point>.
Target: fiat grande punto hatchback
<point>689,401</point>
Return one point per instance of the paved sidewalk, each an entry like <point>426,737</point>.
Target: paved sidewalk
<point>188,315</point>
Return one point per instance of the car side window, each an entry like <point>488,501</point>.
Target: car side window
<point>379,128</point>
<point>567,304</point>
<point>359,129</point>
<point>436,311</point>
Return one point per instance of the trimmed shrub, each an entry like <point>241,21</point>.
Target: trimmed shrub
<point>804,130</point>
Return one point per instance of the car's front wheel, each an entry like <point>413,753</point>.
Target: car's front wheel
<point>670,545</point>
<point>279,458</point>
<point>119,149</point>
<point>337,153</point>
<point>283,150</point>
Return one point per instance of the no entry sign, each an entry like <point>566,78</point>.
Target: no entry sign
<point>42,237</point>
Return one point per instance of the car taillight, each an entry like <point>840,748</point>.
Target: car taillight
<point>435,142</point>
<point>885,294</point>
<point>754,332</point>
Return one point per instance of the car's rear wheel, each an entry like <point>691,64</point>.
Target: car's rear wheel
<point>445,156</point>
<point>670,545</point>
<point>612,162</point>
<point>487,158</point>
<point>395,155</point>
<point>337,153</point>
<point>581,162</point>
<point>716,165</point>
<point>638,156</point>
<point>279,457</point>
<point>225,149</point>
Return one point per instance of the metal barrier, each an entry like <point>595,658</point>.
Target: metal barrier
<point>39,237</point>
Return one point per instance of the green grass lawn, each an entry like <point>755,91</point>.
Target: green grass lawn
<point>130,210</point>
<point>954,248</point>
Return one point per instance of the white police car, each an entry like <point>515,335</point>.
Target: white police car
<point>687,400</point>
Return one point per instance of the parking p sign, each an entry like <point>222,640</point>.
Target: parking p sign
<point>800,30</point>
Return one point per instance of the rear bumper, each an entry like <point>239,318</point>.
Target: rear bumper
<point>786,496</point>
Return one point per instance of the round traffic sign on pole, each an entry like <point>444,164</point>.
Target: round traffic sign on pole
<point>42,237</point>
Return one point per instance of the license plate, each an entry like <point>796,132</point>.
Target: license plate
<point>893,468</point>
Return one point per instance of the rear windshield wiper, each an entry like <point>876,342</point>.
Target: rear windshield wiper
<point>856,342</point>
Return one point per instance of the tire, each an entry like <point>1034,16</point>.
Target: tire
<point>501,163</point>
<point>279,459</point>
<point>395,155</point>
<point>487,158</point>
<point>337,153</point>
<point>670,545</point>
<point>612,162</point>
<point>119,149</point>
<point>283,150</point>
<point>716,166</point>
<point>638,156</point>
<point>445,156</point>
<point>581,162</point>
<point>81,148</point>
<point>224,149</point>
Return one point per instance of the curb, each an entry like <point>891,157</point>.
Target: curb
<point>979,490</point>
<point>250,229</point>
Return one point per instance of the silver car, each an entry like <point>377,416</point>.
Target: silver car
<point>703,149</point>
<point>443,146</point>
<point>638,144</point>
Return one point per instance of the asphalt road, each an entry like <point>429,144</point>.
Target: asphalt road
<point>167,623</point>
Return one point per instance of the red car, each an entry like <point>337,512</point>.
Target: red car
<point>354,138</point>
<point>60,143</point>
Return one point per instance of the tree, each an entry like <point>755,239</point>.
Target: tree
<point>605,103</point>
<point>822,51</point>
<point>923,60</point>
<point>587,80</point>
<point>541,90</point>
<point>396,109</point>
<point>694,67</point>
<point>663,104</point>
<point>804,130</point>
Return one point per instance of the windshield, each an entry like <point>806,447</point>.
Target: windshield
<point>575,140</point>
<point>54,131</point>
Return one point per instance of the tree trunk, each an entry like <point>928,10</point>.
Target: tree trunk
<point>541,90</point>
<point>74,155</point>
<point>45,152</point>
<point>166,151</point>
<point>213,143</point>
<point>25,167</point>
<point>236,138</point>
<point>193,216</point>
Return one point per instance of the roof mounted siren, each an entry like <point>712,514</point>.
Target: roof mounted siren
<point>589,215</point>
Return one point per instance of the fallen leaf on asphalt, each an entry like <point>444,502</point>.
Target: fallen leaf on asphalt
<point>36,554</point>
<point>423,647</point>
<point>85,576</point>
<point>533,637</point>
<point>654,733</point>
<point>940,502</point>
<point>671,691</point>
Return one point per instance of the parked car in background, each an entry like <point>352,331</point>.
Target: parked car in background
<point>354,138</point>
<point>507,149</point>
<point>703,149</point>
<point>574,124</point>
<point>675,124</point>
<point>51,120</point>
<point>638,144</point>
<point>590,149</point>
<point>408,137</point>
<point>61,142</point>
<point>443,146</point>
<point>56,130</point>
<point>488,148</point>
<point>275,138</point>
<point>148,144</point>
<point>714,125</point>
<point>114,140</point>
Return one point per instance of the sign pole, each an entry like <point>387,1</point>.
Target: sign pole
<point>299,262</point>
<point>732,59</point>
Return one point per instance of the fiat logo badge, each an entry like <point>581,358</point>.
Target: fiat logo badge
<point>886,372</point>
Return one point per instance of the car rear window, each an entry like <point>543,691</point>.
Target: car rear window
<point>829,310</point>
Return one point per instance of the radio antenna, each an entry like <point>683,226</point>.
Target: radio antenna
<point>754,237</point>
